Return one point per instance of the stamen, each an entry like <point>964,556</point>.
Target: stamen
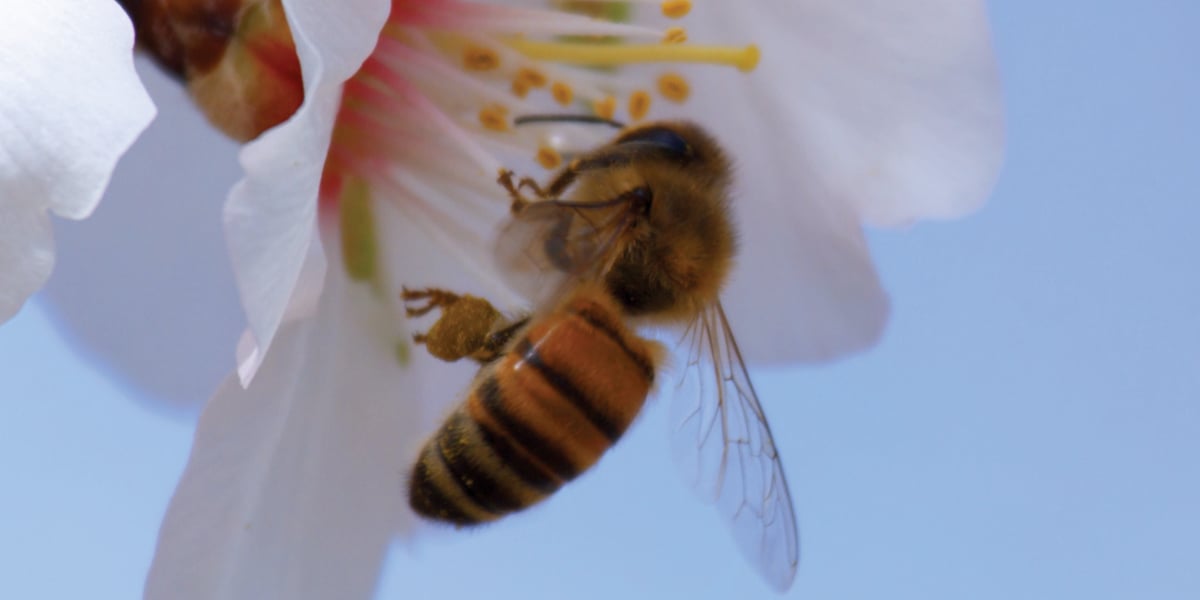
<point>675,9</point>
<point>519,88</point>
<point>675,35</point>
<point>563,94</point>
<point>674,87</point>
<point>531,77</point>
<point>548,157</point>
<point>494,117</point>
<point>477,58</point>
<point>639,105</point>
<point>744,59</point>
<point>605,108</point>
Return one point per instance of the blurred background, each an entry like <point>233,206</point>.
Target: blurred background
<point>1028,428</point>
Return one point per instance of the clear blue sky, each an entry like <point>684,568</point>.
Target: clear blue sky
<point>1029,428</point>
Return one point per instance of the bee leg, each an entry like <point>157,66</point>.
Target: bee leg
<point>497,340</point>
<point>519,201</point>
<point>560,183</point>
<point>462,329</point>
<point>435,297</point>
<point>554,190</point>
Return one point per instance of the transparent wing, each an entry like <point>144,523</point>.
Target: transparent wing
<point>724,446</point>
<point>551,242</point>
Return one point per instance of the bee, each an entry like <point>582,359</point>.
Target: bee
<point>635,233</point>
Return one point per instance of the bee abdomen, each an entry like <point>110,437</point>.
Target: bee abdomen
<point>547,411</point>
<point>466,475</point>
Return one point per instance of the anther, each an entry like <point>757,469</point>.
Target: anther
<point>477,58</point>
<point>548,157</point>
<point>673,87</point>
<point>675,9</point>
<point>531,77</point>
<point>494,117</point>
<point>675,35</point>
<point>519,88</point>
<point>563,94</point>
<point>605,108</point>
<point>639,105</point>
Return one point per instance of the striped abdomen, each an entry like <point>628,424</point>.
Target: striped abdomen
<point>543,413</point>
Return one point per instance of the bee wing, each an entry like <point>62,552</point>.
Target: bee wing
<point>724,446</point>
<point>552,242</point>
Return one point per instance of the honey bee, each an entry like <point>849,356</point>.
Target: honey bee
<point>636,232</point>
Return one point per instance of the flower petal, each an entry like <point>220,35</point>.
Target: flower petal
<point>71,106</point>
<point>860,111</point>
<point>270,217</point>
<point>167,328</point>
<point>26,254</point>
<point>295,486</point>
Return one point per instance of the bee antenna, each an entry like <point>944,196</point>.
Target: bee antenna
<point>522,120</point>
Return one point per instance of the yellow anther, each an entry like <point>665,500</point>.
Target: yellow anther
<point>478,58</point>
<point>582,53</point>
<point>675,9</point>
<point>548,157</point>
<point>520,89</point>
<point>494,117</point>
<point>675,35</point>
<point>531,77</point>
<point>563,94</point>
<point>605,108</point>
<point>639,105</point>
<point>674,87</point>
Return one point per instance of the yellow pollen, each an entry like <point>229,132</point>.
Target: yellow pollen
<point>675,35</point>
<point>548,157</point>
<point>477,58</point>
<point>520,89</point>
<point>605,108</point>
<point>674,87</point>
<point>531,77</point>
<point>563,94</point>
<point>745,58</point>
<point>494,117</point>
<point>639,105</point>
<point>676,8</point>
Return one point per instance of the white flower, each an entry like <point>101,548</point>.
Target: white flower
<point>859,112</point>
<point>70,105</point>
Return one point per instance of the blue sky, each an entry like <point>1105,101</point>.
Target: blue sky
<point>1028,428</point>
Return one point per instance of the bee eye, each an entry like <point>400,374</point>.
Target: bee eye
<point>662,139</point>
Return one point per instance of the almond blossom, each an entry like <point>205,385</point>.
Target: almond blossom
<point>70,105</point>
<point>850,112</point>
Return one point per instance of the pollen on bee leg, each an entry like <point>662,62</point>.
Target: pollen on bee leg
<point>675,35</point>
<point>548,157</point>
<point>674,87</point>
<point>563,94</point>
<point>494,117</point>
<point>478,58</point>
<point>639,105</point>
<point>606,107</point>
<point>675,9</point>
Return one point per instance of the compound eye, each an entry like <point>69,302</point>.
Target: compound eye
<point>663,139</point>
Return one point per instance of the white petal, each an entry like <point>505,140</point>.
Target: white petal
<point>26,254</point>
<point>143,287</point>
<point>295,486</point>
<point>879,112</point>
<point>270,218</point>
<point>296,483</point>
<point>71,106</point>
